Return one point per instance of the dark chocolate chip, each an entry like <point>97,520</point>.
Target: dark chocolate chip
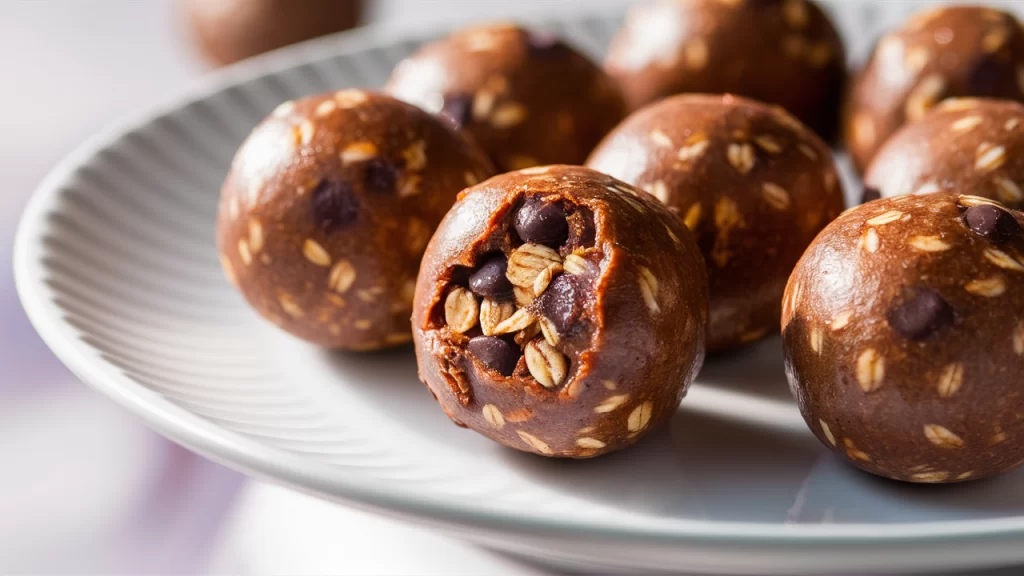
<point>543,42</point>
<point>335,205</point>
<point>380,175</point>
<point>457,108</point>
<point>563,302</point>
<point>489,278</point>
<point>870,194</point>
<point>991,222</point>
<point>495,353</point>
<point>542,222</point>
<point>921,313</point>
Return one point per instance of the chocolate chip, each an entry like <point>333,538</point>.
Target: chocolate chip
<point>563,302</point>
<point>495,353</point>
<point>921,313</point>
<point>991,222</point>
<point>456,109</point>
<point>870,194</point>
<point>543,42</point>
<point>542,222</point>
<point>334,204</point>
<point>380,176</point>
<point>489,278</point>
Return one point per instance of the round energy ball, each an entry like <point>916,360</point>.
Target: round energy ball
<point>903,333</point>
<point>526,97</point>
<point>560,311</point>
<point>944,52</point>
<point>963,144</point>
<point>784,52</point>
<point>227,31</point>
<point>753,184</point>
<point>328,207</point>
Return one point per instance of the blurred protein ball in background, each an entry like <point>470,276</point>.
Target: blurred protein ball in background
<point>227,31</point>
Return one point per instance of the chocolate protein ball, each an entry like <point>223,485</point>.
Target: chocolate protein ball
<point>328,207</point>
<point>940,53</point>
<point>226,31</point>
<point>903,332</point>
<point>785,52</point>
<point>526,97</point>
<point>752,183</point>
<point>560,311</point>
<point>964,144</point>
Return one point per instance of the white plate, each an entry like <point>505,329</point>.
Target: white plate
<point>116,266</point>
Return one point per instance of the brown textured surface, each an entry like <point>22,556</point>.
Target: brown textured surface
<point>784,52</point>
<point>328,207</point>
<point>640,343</point>
<point>528,98</point>
<point>939,409</point>
<point>939,53</point>
<point>964,144</point>
<point>753,184</point>
<point>227,31</point>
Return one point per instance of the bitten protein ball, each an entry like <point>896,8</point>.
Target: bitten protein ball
<point>944,52</point>
<point>227,31</point>
<point>784,52</point>
<point>903,331</point>
<point>328,207</point>
<point>752,183</point>
<point>526,97</point>
<point>560,311</point>
<point>962,145</point>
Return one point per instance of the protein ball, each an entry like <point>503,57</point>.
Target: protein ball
<point>752,183</point>
<point>227,31</point>
<point>903,332</point>
<point>328,207</point>
<point>940,53</point>
<point>526,97</point>
<point>784,52</point>
<point>603,328</point>
<point>963,144</point>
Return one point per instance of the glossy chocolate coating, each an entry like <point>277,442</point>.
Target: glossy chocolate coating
<point>328,207</point>
<point>526,97</point>
<point>964,144</point>
<point>753,184</point>
<point>940,53</point>
<point>227,31</point>
<point>608,343</point>
<point>783,52</point>
<point>903,331</point>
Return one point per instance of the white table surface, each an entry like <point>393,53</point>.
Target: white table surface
<point>85,487</point>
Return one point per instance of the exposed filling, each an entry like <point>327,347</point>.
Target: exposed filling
<point>523,309</point>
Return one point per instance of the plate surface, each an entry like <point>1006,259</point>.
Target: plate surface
<point>117,268</point>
